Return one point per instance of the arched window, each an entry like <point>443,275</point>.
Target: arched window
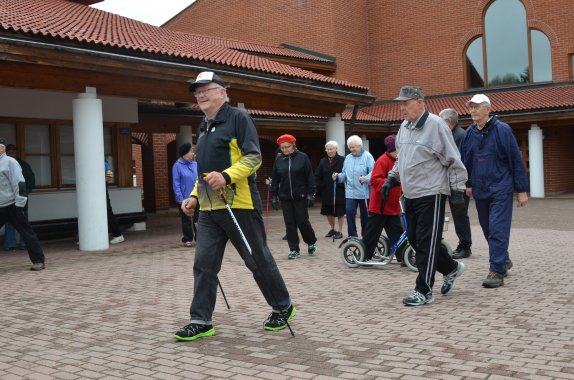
<point>512,56</point>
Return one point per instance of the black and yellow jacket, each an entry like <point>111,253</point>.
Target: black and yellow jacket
<point>229,145</point>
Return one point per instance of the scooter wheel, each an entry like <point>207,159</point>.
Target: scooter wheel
<point>351,251</point>
<point>409,258</point>
<point>382,251</point>
<point>445,247</point>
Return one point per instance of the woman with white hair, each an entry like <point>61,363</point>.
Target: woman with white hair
<point>356,175</point>
<point>332,193</point>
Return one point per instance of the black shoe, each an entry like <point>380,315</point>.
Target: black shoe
<point>278,320</point>
<point>461,253</point>
<point>284,237</point>
<point>330,233</point>
<point>493,280</point>
<point>337,235</point>
<point>194,331</point>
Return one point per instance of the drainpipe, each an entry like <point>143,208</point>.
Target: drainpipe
<point>353,118</point>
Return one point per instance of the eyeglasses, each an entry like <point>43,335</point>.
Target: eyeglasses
<point>204,92</point>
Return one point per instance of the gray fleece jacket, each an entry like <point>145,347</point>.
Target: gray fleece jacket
<point>12,183</point>
<point>428,161</point>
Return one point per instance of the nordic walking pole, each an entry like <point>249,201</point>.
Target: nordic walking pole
<point>223,293</point>
<point>334,205</point>
<point>222,196</point>
<point>267,208</point>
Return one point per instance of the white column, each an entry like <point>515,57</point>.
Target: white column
<point>90,173</point>
<point>335,131</point>
<point>536,161</point>
<point>184,135</point>
<point>365,142</point>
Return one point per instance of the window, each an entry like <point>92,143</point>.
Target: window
<point>38,152</point>
<point>508,53</point>
<point>8,133</point>
<point>67,159</point>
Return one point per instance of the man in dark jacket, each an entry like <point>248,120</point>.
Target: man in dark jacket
<point>293,182</point>
<point>228,156</point>
<point>459,212</point>
<point>495,170</point>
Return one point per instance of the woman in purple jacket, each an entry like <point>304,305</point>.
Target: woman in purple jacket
<point>184,173</point>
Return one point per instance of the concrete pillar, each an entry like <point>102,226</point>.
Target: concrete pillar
<point>536,161</point>
<point>365,142</point>
<point>184,135</point>
<point>90,174</point>
<point>335,131</point>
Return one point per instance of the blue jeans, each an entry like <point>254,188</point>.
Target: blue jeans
<point>351,211</point>
<point>215,228</point>
<point>10,238</point>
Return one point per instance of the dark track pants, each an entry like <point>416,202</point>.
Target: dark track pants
<point>215,228</point>
<point>495,217</point>
<point>461,223</point>
<point>375,225</point>
<point>425,219</point>
<point>15,216</point>
<point>296,216</point>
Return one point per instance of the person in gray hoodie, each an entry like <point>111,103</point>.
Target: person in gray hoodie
<point>429,169</point>
<point>13,198</point>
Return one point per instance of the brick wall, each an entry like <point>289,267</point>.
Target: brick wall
<point>380,44</point>
<point>161,169</point>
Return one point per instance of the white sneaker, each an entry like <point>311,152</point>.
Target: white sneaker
<point>117,239</point>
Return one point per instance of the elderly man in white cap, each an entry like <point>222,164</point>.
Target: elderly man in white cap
<point>491,155</point>
<point>228,156</point>
<point>429,169</point>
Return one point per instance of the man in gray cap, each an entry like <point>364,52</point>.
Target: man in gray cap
<point>429,170</point>
<point>228,156</point>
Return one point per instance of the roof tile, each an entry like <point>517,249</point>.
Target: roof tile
<point>63,19</point>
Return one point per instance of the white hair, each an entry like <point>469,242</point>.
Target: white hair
<point>332,143</point>
<point>354,140</point>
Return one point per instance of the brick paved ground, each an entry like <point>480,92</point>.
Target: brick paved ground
<point>111,315</point>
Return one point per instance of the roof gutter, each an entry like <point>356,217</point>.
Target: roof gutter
<point>72,49</point>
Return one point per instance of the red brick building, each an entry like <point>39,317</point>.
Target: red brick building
<point>520,53</point>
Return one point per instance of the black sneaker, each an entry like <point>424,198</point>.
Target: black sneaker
<point>337,235</point>
<point>330,233</point>
<point>194,331</point>
<point>461,253</point>
<point>508,264</point>
<point>278,320</point>
<point>312,249</point>
<point>493,280</point>
<point>450,279</point>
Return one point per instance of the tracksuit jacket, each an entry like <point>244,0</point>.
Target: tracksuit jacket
<point>12,184</point>
<point>493,161</point>
<point>227,146</point>
<point>428,161</point>
<point>292,177</point>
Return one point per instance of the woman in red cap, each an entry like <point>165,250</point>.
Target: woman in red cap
<point>293,182</point>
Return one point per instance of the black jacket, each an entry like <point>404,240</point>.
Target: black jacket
<point>324,178</point>
<point>292,177</point>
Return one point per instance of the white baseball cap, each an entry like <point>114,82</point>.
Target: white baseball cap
<point>479,99</point>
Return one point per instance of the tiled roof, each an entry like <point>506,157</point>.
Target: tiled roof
<point>70,21</point>
<point>511,101</point>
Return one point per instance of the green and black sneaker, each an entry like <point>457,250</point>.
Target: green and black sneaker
<point>194,331</point>
<point>278,320</point>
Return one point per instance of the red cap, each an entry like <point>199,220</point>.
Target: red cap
<point>286,139</point>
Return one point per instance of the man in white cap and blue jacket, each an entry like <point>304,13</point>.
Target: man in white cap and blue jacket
<point>495,169</point>
<point>429,170</point>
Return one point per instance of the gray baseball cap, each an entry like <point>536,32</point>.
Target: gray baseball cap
<point>410,92</point>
